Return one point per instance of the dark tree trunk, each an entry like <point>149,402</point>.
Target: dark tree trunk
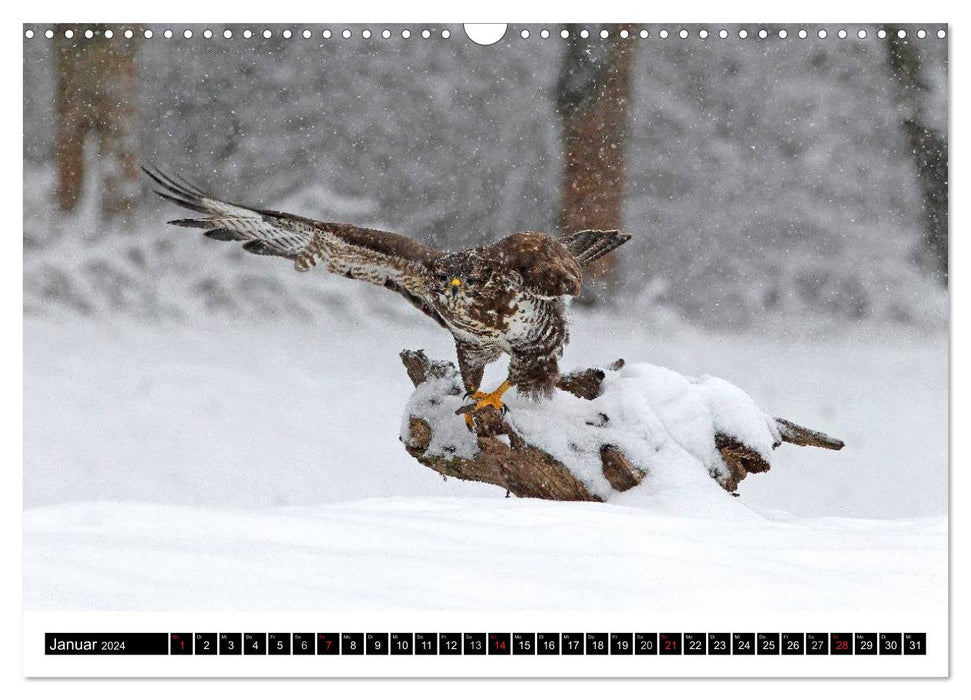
<point>95,99</point>
<point>928,147</point>
<point>593,93</point>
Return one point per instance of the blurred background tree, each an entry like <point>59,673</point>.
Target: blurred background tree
<point>95,101</point>
<point>928,147</point>
<point>592,99</point>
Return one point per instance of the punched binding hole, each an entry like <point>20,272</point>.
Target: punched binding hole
<point>486,34</point>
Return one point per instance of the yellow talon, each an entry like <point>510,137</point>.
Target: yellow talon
<point>493,399</point>
<point>482,400</point>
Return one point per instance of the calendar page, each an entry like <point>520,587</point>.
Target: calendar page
<point>510,350</point>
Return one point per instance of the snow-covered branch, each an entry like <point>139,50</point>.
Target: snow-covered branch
<point>636,428</point>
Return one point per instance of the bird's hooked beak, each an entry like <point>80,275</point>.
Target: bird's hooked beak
<point>456,283</point>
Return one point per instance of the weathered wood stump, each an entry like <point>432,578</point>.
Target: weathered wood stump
<point>505,459</point>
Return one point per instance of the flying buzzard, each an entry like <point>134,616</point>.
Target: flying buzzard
<point>507,297</point>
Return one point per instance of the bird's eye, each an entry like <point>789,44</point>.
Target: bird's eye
<point>473,280</point>
<point>442,278</point>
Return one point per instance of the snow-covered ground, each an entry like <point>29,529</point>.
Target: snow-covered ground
<point>475,554</point>
<point>250,459</point>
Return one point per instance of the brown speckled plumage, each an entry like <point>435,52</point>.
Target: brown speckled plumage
<point>508,297</point>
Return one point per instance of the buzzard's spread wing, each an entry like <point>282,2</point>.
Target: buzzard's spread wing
<point>378,257</point>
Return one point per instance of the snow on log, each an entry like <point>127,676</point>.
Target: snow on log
<point>624,428</point>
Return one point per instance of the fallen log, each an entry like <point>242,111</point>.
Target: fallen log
<point>495,452</point>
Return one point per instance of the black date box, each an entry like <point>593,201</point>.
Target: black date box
<point>500,644</point>
<point>376,643</point>
<point>891,643</point>
<point>841,643</point>
<point>669,643</point>
<point>865,643</point>
<point>328,643</point>
<point>645,643</point>
<point>402,644</point>
<point>694,644</point>
<point>254,643</point>
<point>767,643</point>
<point>352,643</point>
<point>597,644</point>
<point>180,643</point>
<point>621,643</point>
<point>743,643</point>
<point>571,643</point>
<point>205,643</point>
<point>548,643</point>
<point>915,643</point>
<point>426,643</point>
<point>817,643</point>
<point>304,643</point>
<point>793,644</point>
<point>278,643</point>
<point>719,643</point>
<point>450,644</point>
<point>474,643</point>
<point>230,643</point>
<point>523,643</point>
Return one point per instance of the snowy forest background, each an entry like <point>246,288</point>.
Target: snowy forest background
<point>788,199</point>
<point>764,178</point>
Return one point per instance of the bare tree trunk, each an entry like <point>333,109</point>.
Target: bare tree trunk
<point>593,93</point>
<point>95,97</point>
<point>928,147</point>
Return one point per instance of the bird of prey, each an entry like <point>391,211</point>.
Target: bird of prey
<point>508,297</point>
